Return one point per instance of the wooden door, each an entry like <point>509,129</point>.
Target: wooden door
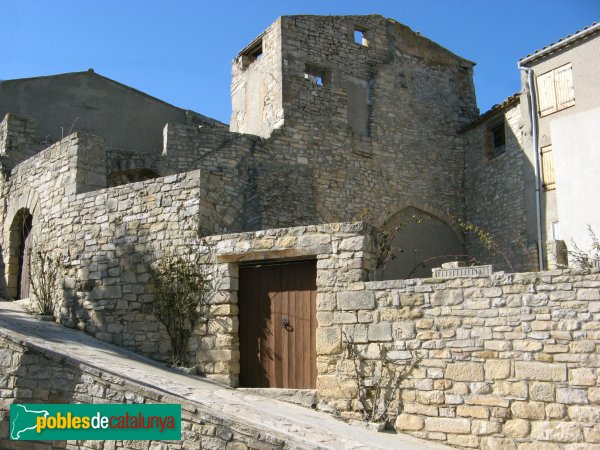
<point>25,250</point>
<point>277,316</point>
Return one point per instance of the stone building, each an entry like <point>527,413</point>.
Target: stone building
<point>530,177</point>
<point>331,116</point>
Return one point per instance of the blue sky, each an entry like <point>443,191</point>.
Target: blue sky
<point>181,50</point>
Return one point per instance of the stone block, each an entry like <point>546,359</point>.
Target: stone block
<point>403,330</point>
<point>103,292</point>
<point>465,371</point>
<point>487,400</point>
<point>353,244</point>
<point>463,440</point>
<point>344,317</point>
<point>497,369</point>
<point>582,377</point>
<point>430,397</point>
<point>517,428</point>
<point>542,391</point>
<point>480,412</point>
<point>448,425</point>
<point>498,346</point>
<point>454,399</point>
<point>485,427</point>
<point>568,396</point>
<point>594,395</point>
<point>586,414</point>
<point>497,443</point>
<point>335,387</point>
<point>447,297</point>
<point>329,340</point>
<point>561,432</point>
<point>527,346</point>
<point>517,389</point>
<point>409,422</point>
<point>540,371</point>
<point>423,410</point>
<point>356,300</point>
<point>528,410</point>
<point>555,411</point>
<point>591,434</point>
<point>492,292</point>
<point>380,332</point>
<point>326,301</point>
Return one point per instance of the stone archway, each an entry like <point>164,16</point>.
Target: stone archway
<point>26,202</point>
<point>423,241</point>
<point>19,252</point>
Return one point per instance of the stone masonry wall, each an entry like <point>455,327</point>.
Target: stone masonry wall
<point>510,361</point>
<point>18,140</point>
<point>28,375</point>
<point>109,237</point>
<point>414,96</point>
<point>495,191</point>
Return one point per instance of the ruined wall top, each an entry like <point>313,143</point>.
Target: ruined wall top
<point>324,66</point>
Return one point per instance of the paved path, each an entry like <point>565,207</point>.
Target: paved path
<point>297,425</point>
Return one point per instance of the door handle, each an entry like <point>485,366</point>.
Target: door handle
<point>285,323</point>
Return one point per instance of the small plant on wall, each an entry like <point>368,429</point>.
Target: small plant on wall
<point>181,289</point>
<point>45,273</point>
<point>378,380</point>
<point>586,258</point>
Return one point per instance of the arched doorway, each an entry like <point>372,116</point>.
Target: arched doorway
<point>21,249</point>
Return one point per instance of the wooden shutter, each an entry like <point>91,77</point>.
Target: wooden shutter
<point>563,85</point>
<point>548,168</point>
<point>546,96</point>
<point>555,90</point>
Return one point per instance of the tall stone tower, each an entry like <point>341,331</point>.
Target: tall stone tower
<point>358,113</point>
<point>329,70</point>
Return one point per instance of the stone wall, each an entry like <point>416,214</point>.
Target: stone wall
<point>18,141</point>
<point>509,361</point>
<point>30,375</point>
<point>316,167</point>
<point>495,190</point>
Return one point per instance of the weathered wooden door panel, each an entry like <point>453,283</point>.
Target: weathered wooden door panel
<point>277,305</point>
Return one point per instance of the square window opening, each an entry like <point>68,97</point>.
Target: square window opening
<point>360,37</point>
<point>317,75</point>
<point>253,53</point>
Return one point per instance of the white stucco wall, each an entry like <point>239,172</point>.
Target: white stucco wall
<point>576,147</point>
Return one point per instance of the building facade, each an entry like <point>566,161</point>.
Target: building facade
<point>536,153</point>
<point>334,119</point>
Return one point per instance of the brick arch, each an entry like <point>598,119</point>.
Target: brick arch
<point>24,210</point>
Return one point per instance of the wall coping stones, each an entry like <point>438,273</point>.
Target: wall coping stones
<point>459,272</point>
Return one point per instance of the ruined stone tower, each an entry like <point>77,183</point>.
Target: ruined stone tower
<point>366,110</point>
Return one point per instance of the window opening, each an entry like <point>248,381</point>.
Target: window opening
<point>316,75</point>
<point>254,53</point>
<point>359,37</point>
<point>555,231</point>
<point>498,140</point>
